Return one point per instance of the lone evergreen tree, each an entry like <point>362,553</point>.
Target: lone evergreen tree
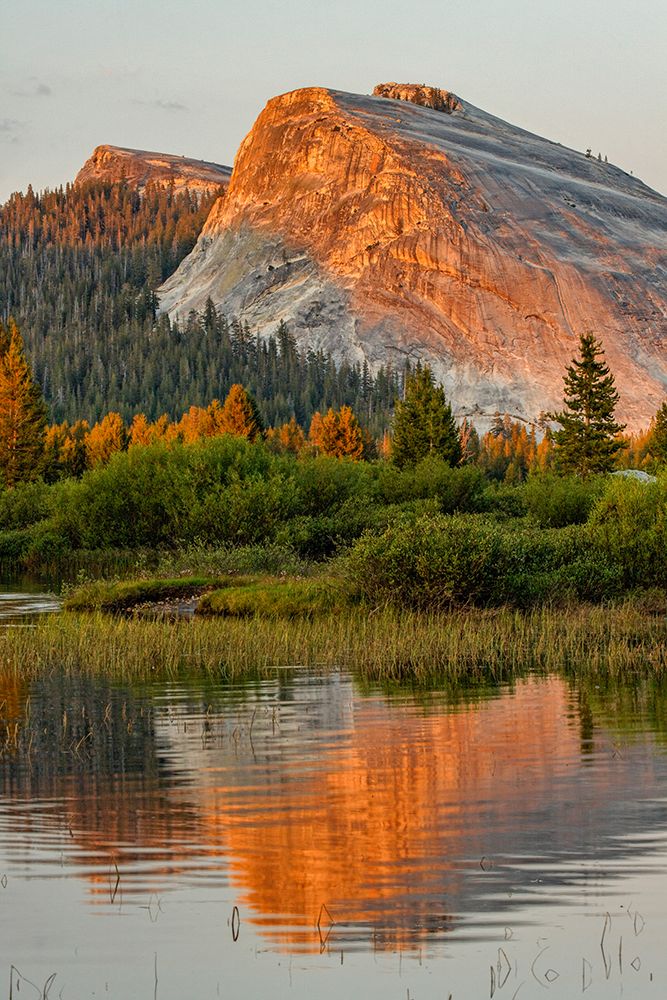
<point>587,441</point>
<point>659,435</point>
<point>22,412</point>
<point>423,422</point>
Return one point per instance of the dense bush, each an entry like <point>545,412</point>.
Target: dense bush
<point>556,501</point>
<point>25,504</point>
<point>431,561</point>
<point>430,537</point>
<point>629,524</point>
<point>444,561</point>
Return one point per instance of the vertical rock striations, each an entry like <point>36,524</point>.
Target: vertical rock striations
<point>410,224</point>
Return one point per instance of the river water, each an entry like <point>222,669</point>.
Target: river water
<point>304,836</point>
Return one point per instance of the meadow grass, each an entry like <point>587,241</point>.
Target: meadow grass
<point>376,645</point>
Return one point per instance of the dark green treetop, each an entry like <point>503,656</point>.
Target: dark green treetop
<point>659,435</point>
<point>587,441</point>
<point>423,422</point>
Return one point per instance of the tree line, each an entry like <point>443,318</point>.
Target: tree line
<point>79,270</point>
<point>587,440</point>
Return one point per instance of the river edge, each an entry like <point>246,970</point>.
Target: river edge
<point>381,644</point>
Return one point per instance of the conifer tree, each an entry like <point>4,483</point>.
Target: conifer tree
<point>350,442</point>
<point>423,422</point>
<point>140,431</point>
<point>22,412</point>
<point>588,439</point>
<point>239,415</point>
<point>658,445</point>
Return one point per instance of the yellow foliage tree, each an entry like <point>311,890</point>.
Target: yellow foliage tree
<point>65,450</point>
<point>105,438</point>
<point>22,412</point>
<point>288,437</point>
<point>337,434</point>
<point>239,415</point>
<point>142,432</point>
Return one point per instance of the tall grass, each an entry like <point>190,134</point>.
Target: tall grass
<point>385,645</point>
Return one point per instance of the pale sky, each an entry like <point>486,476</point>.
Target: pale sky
<point>191,77</point>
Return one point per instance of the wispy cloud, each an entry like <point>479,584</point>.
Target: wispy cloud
<point>10,129</point>
<point>161,104</point>
<point>33,88</point>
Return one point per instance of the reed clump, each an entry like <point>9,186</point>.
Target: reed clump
<point>383,645</point>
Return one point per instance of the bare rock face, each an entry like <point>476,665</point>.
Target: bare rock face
<point>137,167</point>
<point>383,229</point>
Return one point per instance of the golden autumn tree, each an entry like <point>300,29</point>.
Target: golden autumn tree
<point>22,412</point>
<point>289,437</point>
<point>239,415</point>
<point>337,434</point>
<point>105,438</point>
<point>143,432</point>
<point>74,454</point>
<point>140,431</point>
<point>65,450</point>
<point>194,425</point>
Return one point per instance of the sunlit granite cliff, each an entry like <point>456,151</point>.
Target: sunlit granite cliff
<point>410,224</point>
<point>137,167</point>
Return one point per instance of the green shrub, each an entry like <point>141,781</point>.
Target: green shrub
<point>556,501</point>
<point>430,562</point>
<point>455,489</point>
<point>436,562</point>
<point>504,501</point>
<point>25,504</point>
<point>629,524</point>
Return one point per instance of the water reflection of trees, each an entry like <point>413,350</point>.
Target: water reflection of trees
<point>380,805</point>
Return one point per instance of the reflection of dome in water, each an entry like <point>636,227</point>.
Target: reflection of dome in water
<point>307,793</point>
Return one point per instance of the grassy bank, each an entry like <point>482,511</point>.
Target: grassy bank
<point>120,595</point>
<point>385,645</point>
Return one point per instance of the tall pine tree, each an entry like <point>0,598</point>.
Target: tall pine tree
<point>423,422</point>
<point>22,412</point>
<point>659,435</point>
<point>588,439</point>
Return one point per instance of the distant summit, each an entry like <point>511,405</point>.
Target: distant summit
<point>138,166</point>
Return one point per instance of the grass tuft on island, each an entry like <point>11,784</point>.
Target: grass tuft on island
<point>123,595</point>
<point>230,596</point>
<point>276,598</point>
<point>382,646</point>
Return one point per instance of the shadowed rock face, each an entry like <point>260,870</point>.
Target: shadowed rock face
<point>138,167</point>
<point>381,228</point>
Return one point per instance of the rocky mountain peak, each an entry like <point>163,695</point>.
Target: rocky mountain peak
<point>421,94</point>
<point>383,233</point>
<point>138,167</point>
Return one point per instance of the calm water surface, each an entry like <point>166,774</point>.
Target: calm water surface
<point>186,840</point>
<point>20,602</point>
